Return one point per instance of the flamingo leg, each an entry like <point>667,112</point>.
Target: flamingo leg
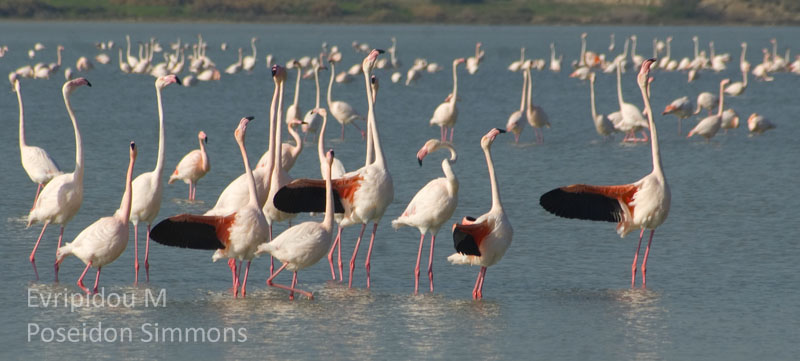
<point>430,262</point>
<point>416,269</point>
<point>475,289</point>
<point>443,133</point>
<point>272,284</point>
<point>190,190</point>
<point>644,261</point>
<point>147,255</point>
<point>342,131</point>
<point>294,283</point>
<point>96,280</point>
<point>135,254</point>
<point>32,257</point>
<point>369,250</point>
<point>480,285</point>
<point>516,138</point>
<point>635,259</point>
<point>80,280</point>
<point>339,256</point>
<point>330,256</point>
<point>355,253</point>
<point>60,238</point>
<point>271,259</point>
<point>244,283</point>
<point>38,189</point>
<point>452,130</point>
<point>232,265</point>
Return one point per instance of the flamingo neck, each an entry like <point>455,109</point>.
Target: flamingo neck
<point>128,40</point>
<point>528,91</point>
<point>316,82</point>
<point>451,177</point>
<point>203,155</point>
<point>619,87</point>
<point>160,161</point>
<point>625,49</point>
<point>330,84</point>
<point>633,48</point>
<point>721,99</point>
<point>744,78</point>
<point>372,126</point>
<point>251,183</point>
<point>591,98</point>
<point>22,143</point>
<point>669,48</point>
<point>524,87</point>
<point>582,60</point>
<point>327,222</point>
<point>78,172</point>
<point>298,143</point>
<point>696,46</point>
<point>297,87</point>
<point>653,134</point>
<point>124,212</point>
<point>271,147</point>
<point>455,84</point>
<point>497,205</point>
<point>253,46</point>
<point>321,141</point>
<point>276,168</point>
<point>58,56</point>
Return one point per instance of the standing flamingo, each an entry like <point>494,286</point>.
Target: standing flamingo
<point>681,108</point>
<point>631,118</point>
<point>709,126</point>
<point>293,112</point>
<point>61,198</point>
<point>235,236</point>
<point>312,119</point>
<point>36,162</point>
<point>484,240</point>
<point>193,166</point>
<point>304,244</point>
<point>289,152</point>
<point>433,205</point>
<point>602,124</point>
<point>758,124</point>
<point>148,187</point>
<point>514,123</point>
<point>343,112</point>
<point>474,61</point>
<point>249,62</point>
<point>643,204</point>
<point>536,116</point>
<point>104,240</point>
<point>446,113</point>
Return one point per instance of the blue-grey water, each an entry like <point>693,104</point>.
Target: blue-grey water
<point>723,281</point>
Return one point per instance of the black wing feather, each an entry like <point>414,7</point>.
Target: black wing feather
<point>464,243</point>
<point>581,205</point>
<point>305,199</point>
<point>183,233</point>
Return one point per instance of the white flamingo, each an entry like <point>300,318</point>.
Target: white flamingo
<point>446,114</point>
<point>709,126</point>
<point>515,123</point>
<point>536,116</point>
<point>758,124</point>
<point>342,111</point>
<point>193,166</point>
<point>682,108</point>
<point>602,124</point>
<point>249,62</point>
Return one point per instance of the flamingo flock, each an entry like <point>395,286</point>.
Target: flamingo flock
<point>239,227</point>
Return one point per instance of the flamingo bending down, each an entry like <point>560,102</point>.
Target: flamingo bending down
<point>304,244</point>
<point>235,236</point>
<point>148,187</point>
<point>536,116</point>
<point>61,198</point>
<point>36,162</point>
<point>483,241</point>
<point>709,126</point>
<point>342,111</point>
<point>514,123</point>
<point>446,113</point>
<point>681,108</point>
<point>602,124</point>
<point>433,205</point>
<point>730,119</point>
<point>193,166</point>
<point>104,240</point>
<point>643,204</point>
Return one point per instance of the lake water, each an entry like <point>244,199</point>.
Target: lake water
<point>723,268</point>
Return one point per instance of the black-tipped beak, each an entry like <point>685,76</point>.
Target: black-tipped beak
<point>420,161</point>
<point>250,117</point>
<point>88,83</point>
<point>133,145</point>
<point>332,154</point>
<point>500,130</point>
<point>178,80</point>
<point>274,70</point>
<point>380,51</point>
<point>205,140</point>
<point>373,79</point>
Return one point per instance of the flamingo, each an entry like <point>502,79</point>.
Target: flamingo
<point>446,113</point>
<point>681,108</point>
<point>293,112</point>
<point>343,112</point>
<point>602,124</point>
<point>643,204</point>
<point>706,100</point>
<point>516,65</point>
<point>483,241</point>
<point>193,166</point>
<point>39,166</point>
<point>365,193</point>
<point>312,119</point>
<point>148,187</point>
<point>636,59</point>
<point>61,198</point>
<point>515,124</point>
<point>433,205</point>
<point>737,88</point>
<point>249,62</point>
<point>730,119</point>
<point>536,116</point>
<point>290,153</point>
<point>631,118</point>
<point>103,241</point>
<point>474,61</point>
<point>235,236</point>
<point>758,124</point>
<point>555,63</point>
<point>235,67</point>
<point>709,126</point>
<point>304,244</point>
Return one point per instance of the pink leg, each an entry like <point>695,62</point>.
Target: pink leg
<point>38,189</point>
<point>32,258</point>
<point>635,259</point>
<point>80,280</point>
<point>147,255</point>
<point>244,283</point>
<point>516,138</point>
<point>416,269</point>
<point>271,259</point>
<point>135,254</point>
<point>443,133</point>
<point>234,285</point>
<point>369,250</point>
<point>339,251</point>
<point>475,289</point>
<point>270,283</point>
<point>452,130</point>
<point>355,253</point>
<point>330,256</point>
<point>96,280</point>
<point>190,191</point>
<point>342,131</point>
<point>480,285</point>
<point>60,237</point>
<point>644,261</point>
<point>430,262</point>
<point>294,283</point>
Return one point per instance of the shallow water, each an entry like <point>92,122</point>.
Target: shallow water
<point>723,281</point>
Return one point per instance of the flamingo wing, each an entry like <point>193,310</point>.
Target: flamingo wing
<point>194,231</point>
<point>468,236</point>
<point>596,203</point>
<point>308,195</point>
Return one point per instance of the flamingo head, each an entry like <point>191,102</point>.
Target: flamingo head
<point>202,136</point>
<point>669,109</point>
<point>134,151</point>
<point>459,61</point>
<point>73,84</point>
<point>369,61</point>
<point>320,111</point>
<point>429,146</point>
<point>488,139</point>
<point>278,73</point>
<point>724,82</point>
<point>241,129</point>
<point>644,72</point>
<point>165,80</point>
<point>13,78</point>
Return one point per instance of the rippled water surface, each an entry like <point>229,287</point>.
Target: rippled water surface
<point>723,280</point>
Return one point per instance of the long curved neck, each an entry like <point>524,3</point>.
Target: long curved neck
<point>271,147</point>
<point>619,87</point>
<point>373,126</point>
<point>278,120</point>
<point>721,99</point>
<point>696,48</point>
<point>582,60</point>
<point>203,155</point>
<point>327,222</point>
<point>124,212</point>
<point>316,82</point>
<point>524,87</point>
<point>253,46</point>
<point>625,49</point>
<point>297,86</point>
<point>321,141</point>
<point>455,83</point>
<point>78,142</point>
<point>530,85</point>
<point>744,78</point>
<point>58,55</point>
<point>251,183</point>
<point>330,84</point>
<point>496,202</point>
<point>21,117</point>
<point>744,52</point>
<point>653,134</point>
<point>298,143</point>
<point>591,98</point>
<point>633,48</point>
<point>160,161</point>
<point>128,40</point>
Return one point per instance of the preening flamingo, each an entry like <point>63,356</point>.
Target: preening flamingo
<point>433,205</point>
<point>148,187</point>
<point>304,244</point>
<point>193,166</point>
<point>36,162</point>
<point>474,61</point>
<point>706,100</point>
<point>737,88</point>
<point>483,241</point>
<point>235,236</point>
<point>709,126</point>
<point>643,204</point>
<point>446,114</point>
<point>758,124</point>
<point>514,123</point>
<point>289,152</point>
<point>104,240</point>
<point>61,198</point>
